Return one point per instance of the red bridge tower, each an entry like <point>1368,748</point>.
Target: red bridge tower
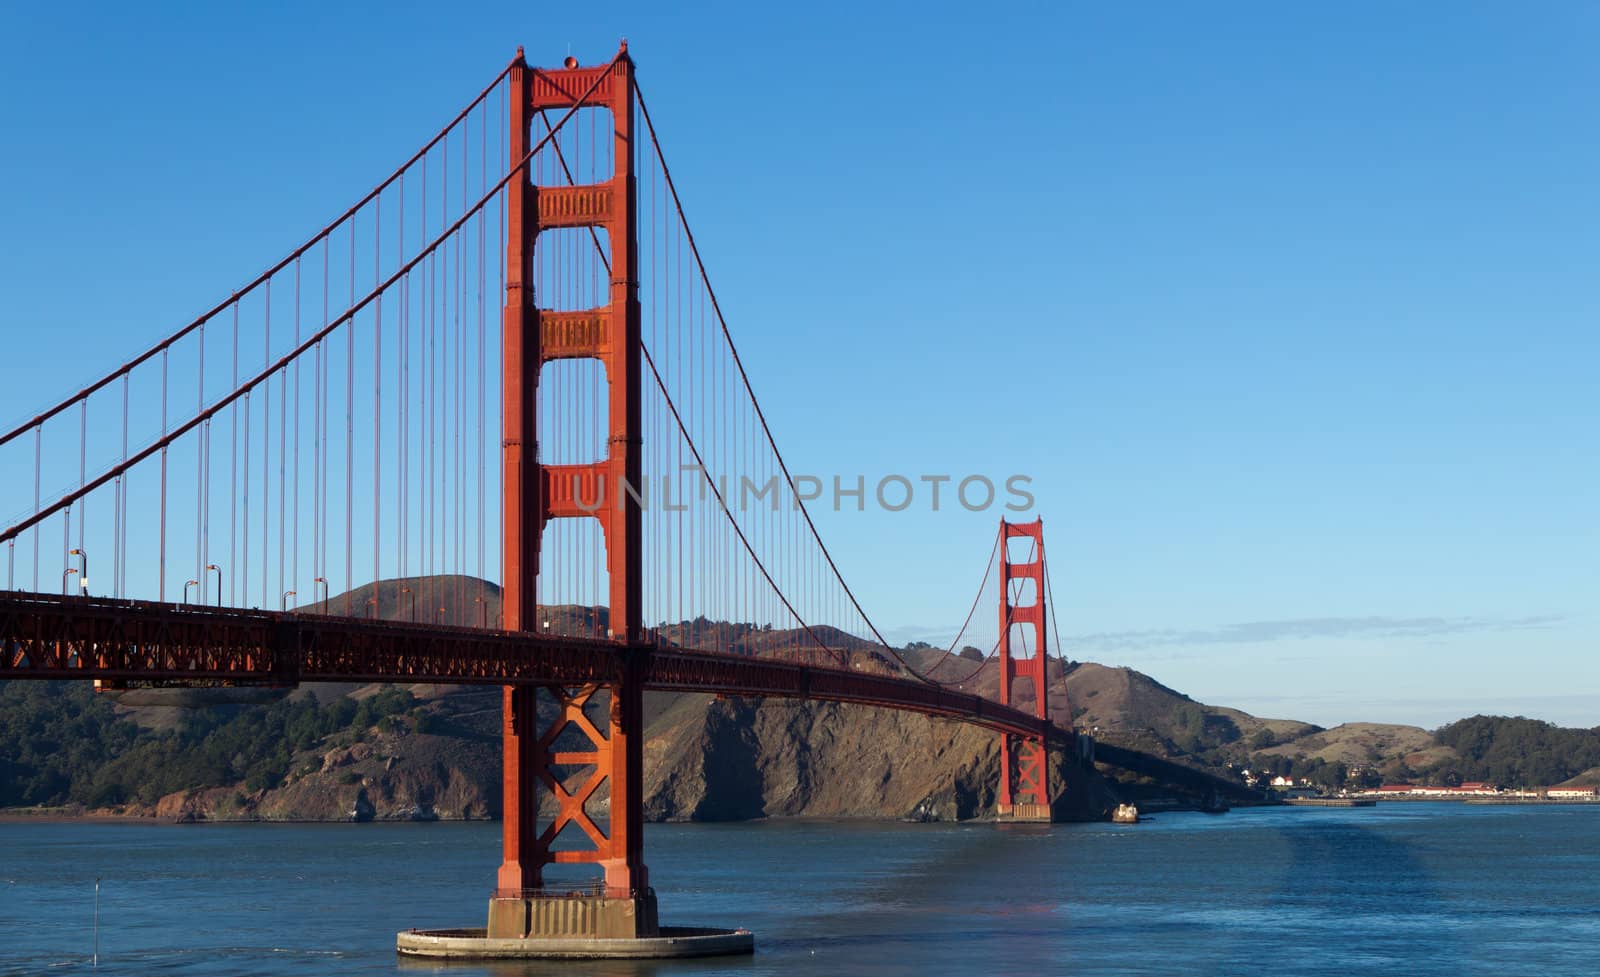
<point>1024,760</point>
<point>606,750</point>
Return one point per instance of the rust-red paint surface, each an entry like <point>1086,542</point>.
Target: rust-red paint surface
<point>537,494</point>
<point>1023,758</point>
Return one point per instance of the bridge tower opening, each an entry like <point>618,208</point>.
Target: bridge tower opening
<point>604,745</point>
<point>1024,760</point>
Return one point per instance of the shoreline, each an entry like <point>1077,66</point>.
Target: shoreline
<point>70,815</point>
<point>49,815</point>
<point>1484,800</point>
<point>26,816</point>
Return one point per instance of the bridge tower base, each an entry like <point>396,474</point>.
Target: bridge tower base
<point>1025,814</point>
<point>554,916</point>
<point>671,942</point>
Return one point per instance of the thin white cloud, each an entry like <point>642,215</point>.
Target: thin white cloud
<point>1356,628</point>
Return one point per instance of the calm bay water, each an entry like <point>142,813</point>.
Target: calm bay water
<point>1402,889</point>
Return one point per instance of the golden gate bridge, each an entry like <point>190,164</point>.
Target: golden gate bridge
<point>505,361</point>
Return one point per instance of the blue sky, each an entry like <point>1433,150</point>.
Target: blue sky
<point>1289,315</point>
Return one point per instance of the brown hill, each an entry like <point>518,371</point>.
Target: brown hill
<point>706,759</point>
<point>1129,706</point>
<point>727,759</point>
<point>1365,744</point>
<point>1588,778</point>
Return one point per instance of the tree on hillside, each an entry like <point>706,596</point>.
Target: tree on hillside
<point>1515,752</point>
<point>61,743</point>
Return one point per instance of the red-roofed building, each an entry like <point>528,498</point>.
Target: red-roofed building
<point>1570,793</point>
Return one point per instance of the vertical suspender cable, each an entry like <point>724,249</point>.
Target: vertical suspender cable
<point>401,365</point>
<point>200,472</point>
<point>127,489</point>
<point>377,399</point>
<point>447,395</point>
<point>266,447</point>
<point>283,458</point>
<point>320,479</point>
<point>244,513</point>
<point>233,476</point>
<point>83,465</point>
<point>294,577</point>
<point>425,420</point>
<point>161,588</point>
<point>461,396</point>
<point>122,505</point>
<point>483,224</point>
<point>38,459</point>
<point>500,272</point>
<point>350,435</point>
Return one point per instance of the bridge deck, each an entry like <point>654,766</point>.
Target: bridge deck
<point>49,637</point>
<point>44,636</point>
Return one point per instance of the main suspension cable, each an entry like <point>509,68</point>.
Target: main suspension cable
<point>42,513</point>
<point>256,282</point>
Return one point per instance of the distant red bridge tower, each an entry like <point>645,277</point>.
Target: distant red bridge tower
<point>1024,760</point>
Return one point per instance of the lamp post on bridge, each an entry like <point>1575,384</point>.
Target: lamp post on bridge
<point>83,574</point>
<point>186,585</point>
<point>324,582</point>
<point>286,595</point>
<point>68,572</point>
<point>209,568</point>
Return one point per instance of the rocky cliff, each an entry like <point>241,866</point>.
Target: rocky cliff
<point>706,759</point>
<point>709,759</point>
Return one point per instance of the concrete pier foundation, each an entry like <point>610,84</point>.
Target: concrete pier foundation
<point>572,926</point>
<point>1031,813</point>
<point>573,916</point>
<point>670,942</point>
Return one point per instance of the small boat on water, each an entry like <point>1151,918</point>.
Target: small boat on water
<point>1125,814</point>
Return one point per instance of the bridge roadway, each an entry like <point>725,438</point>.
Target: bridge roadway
<point>44,636</point>
<point>48,637</point>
